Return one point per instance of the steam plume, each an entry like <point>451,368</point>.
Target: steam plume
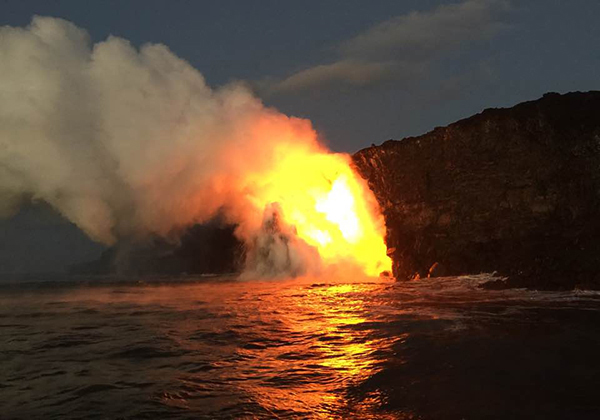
<point>128,143</point>
<point>120,141</point>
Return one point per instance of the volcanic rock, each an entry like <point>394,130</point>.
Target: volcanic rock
<point>210,248</point>
<point>513,190</point>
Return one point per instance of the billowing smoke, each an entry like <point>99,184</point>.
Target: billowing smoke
<point>128,143</point>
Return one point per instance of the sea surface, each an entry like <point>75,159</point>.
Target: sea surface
<point>204,348</point>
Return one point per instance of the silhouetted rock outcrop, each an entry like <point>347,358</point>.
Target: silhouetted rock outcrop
<point>510,190</point>
<point>210,248</point>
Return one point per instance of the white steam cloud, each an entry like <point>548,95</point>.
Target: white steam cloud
<point>124,142</point>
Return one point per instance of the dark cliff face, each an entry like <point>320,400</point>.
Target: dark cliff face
<point>510,190</point>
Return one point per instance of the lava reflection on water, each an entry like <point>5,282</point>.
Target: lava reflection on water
<point>325,349</point>
<point>222,348</point>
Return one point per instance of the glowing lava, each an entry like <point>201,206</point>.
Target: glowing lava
<point>326,203</point>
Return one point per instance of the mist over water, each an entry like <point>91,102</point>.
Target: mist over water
<point>221,348</point>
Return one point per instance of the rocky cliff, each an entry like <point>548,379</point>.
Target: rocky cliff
<point>514,190</point>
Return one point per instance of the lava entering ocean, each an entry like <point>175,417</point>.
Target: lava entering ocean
<point>130,144</point>
<point>319,200</point>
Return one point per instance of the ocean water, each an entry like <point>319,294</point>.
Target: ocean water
<point>204,348</point>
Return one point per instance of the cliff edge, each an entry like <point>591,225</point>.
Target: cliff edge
<point>513,190</point>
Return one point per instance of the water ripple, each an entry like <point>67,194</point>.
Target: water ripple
<point>434,349</point>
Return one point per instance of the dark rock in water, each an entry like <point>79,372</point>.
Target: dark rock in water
<point>510,190</point>
<point>210,248</point>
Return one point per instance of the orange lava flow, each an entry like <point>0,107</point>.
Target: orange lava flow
<point>328,205</point>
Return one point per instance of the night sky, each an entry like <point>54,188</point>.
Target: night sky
<point>361,71</point>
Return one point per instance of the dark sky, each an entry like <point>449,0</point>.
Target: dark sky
<point>362,71</point>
